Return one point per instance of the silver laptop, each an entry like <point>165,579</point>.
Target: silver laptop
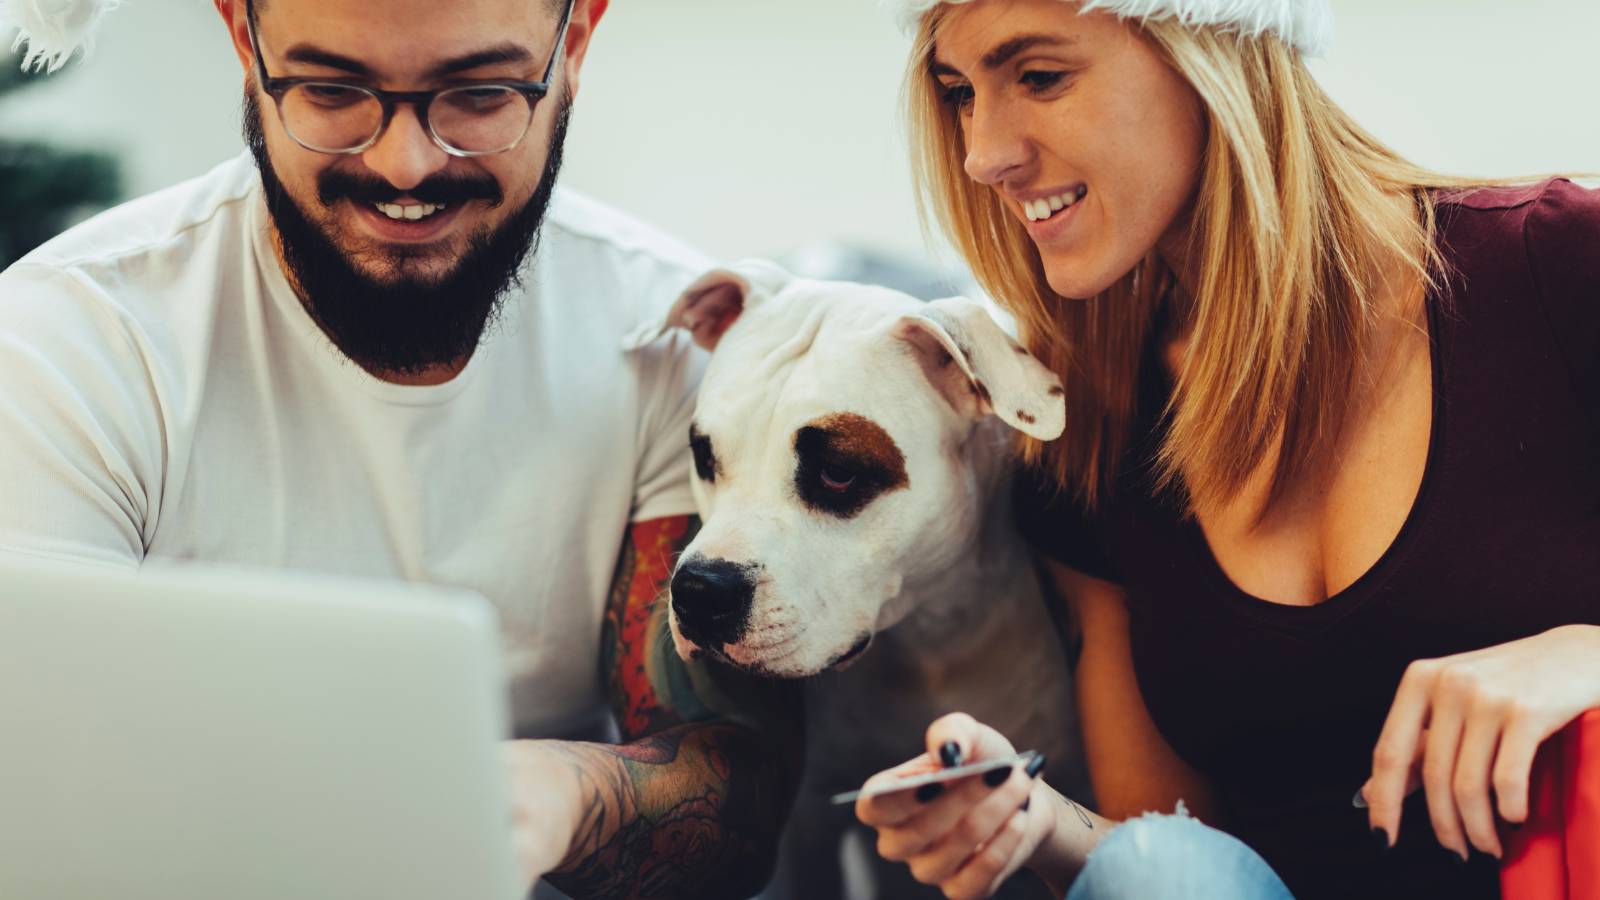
<point>185,734</point>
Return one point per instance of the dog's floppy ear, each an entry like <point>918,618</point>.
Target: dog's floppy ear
<point>979,369</point>
<point>710,306</point>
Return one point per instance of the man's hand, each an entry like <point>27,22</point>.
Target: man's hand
<point>545,805</point>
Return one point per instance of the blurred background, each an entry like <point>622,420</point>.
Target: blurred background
<point>772,129</point>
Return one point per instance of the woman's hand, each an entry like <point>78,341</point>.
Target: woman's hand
<point>966,836</point>
<point>1473,723</point>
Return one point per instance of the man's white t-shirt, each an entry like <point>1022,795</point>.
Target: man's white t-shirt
<point>166,396</point>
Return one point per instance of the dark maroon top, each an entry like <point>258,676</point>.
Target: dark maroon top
<point>1280,706</point>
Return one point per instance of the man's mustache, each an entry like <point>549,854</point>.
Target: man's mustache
<point>445,190</point>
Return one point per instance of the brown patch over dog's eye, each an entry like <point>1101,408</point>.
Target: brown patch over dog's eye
<point>844,462</point>
<point>705,461</point>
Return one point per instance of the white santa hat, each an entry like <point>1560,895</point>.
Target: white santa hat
<point>1306,25</point>
<point>53,30</point>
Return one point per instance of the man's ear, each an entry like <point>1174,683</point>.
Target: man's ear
<point>234,15</point>
<point>586,16</point>
<point>979,369</point>
<point>710,306</point>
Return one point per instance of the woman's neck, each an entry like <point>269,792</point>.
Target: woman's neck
<point>1396,300</point>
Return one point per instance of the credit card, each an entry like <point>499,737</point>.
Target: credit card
<point>912,782</point>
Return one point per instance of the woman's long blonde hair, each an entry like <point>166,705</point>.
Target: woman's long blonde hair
<point>1294,218</point>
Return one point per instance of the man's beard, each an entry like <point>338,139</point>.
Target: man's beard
<point>409,322</point>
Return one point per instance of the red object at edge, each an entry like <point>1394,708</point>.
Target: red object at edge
<point>1556,854</point>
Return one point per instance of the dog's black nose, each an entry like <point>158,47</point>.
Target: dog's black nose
<point>712,599</point>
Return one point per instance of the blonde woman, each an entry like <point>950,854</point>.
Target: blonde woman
<point>1327,511</point>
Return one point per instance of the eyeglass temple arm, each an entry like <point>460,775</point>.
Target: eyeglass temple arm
<point>255,43</point>
<point>561,40</point>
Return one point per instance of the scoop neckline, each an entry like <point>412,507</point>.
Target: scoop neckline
<point>1354,595</point>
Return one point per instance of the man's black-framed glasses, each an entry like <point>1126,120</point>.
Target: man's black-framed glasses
<point>476,119</point>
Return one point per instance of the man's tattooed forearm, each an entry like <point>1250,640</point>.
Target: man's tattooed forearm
<point>692,805</point>
<point>666,817</point>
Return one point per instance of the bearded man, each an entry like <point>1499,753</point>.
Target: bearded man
<point>382,343</point>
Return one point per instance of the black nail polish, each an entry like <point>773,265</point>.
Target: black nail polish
<point>1458,858</point>
<point>1382,837</point>
<point>1035,765</point>
<point>1027,803</point>
<point>997,777</point>
<point>950,754</point>
<point>929,791</point>
<point>1515,826</point>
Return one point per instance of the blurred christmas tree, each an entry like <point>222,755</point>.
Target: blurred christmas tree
<point>43,188</point>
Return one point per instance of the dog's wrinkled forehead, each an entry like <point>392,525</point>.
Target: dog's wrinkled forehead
<point>791,357</point>
<point>815,334</point>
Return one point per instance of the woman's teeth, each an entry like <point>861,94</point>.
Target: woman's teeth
<point>410,213</point>
<point>1039,210</point>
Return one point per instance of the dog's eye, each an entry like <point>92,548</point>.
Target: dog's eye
<point>705,461</point>
<point>842,468</point>
<point>836,479</point>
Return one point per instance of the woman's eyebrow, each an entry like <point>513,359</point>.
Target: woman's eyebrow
<point>1008,51</point>
<point>1005,52</point>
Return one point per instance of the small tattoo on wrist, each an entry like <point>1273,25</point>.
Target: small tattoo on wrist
<point>1082,816</point>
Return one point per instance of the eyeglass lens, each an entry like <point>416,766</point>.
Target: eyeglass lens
<point>469,119</point>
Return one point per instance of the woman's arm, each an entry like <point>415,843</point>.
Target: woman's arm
<point>968,837</point>
<point>1131,766</point>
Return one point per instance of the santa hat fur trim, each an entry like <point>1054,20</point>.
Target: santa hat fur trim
<point>52,30</point>
<point>1306,25</point>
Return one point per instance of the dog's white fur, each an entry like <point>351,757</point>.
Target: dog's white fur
<point>933,572</point>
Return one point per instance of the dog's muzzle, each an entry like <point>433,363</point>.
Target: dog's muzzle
<point>711,599</point>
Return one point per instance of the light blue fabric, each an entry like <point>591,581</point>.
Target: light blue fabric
<point>1174,858</point>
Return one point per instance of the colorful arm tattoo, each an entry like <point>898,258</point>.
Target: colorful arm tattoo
<point>693,805</point>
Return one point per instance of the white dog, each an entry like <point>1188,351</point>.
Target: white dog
<point>852,475</point>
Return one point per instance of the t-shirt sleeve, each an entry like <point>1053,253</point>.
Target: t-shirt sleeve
<point>80,433</point>
<point>670,370</point>
<point>1562,234</point>
<point>1058,527</point>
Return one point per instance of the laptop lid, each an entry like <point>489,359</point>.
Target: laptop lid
<point>248,735</point>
